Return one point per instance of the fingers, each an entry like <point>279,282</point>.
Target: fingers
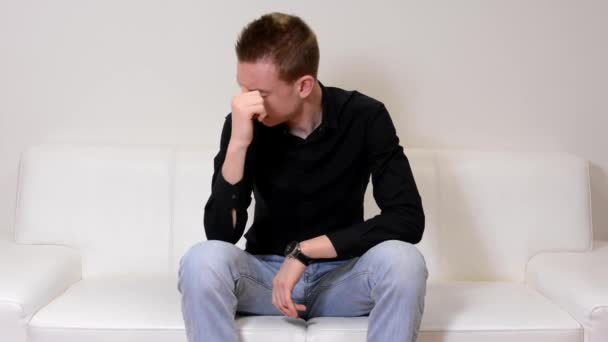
<point>283,285</point>
<point>289,306</point>
<point>258,113</point>
<point>284,302</point>
<point>281,299</point>
<point>276,297</point>
<point>262,115</point>
<point>251,98</point>
<point>254,95</point>
<point>253,104</point>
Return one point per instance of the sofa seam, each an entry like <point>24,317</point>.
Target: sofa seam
<point>17,304</point>
<point>18,192</point>
<point>502,330</point>
<point>438,174</point>
<point>172,181</point>
<point>306,327</point>
<point>590,206</point>
<point>597,308</point>
<point>556,304</point>
<point>589,247</point>
<point>554,251</point>
<point>137,329</point>
<point>459,331</point>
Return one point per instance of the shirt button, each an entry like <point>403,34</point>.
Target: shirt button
<point>234,196</point>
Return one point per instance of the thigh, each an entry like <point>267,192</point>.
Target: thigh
<point>346,290</point>
<point>341,290</point>
<point>211,265</point>
<point>253,287</point>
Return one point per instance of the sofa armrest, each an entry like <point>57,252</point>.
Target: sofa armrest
<point>578,283</point>
<point>30,277</point>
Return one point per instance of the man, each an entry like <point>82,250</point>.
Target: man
<point>306,152</point>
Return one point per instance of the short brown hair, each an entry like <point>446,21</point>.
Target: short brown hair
<point>283,39</point>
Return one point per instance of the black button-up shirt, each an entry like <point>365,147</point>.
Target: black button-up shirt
<point>309,187</point>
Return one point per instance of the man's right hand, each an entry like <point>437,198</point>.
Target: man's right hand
<point>246,107</point>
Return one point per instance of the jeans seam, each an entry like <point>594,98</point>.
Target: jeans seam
<point>343,280</point>
<point>311,295</point>
<point>257,281</point>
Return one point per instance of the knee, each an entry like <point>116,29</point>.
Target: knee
<point>205,258</point>
<point>400,263</point>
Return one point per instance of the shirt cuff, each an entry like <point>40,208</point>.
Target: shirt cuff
<point>343,241</point>
<point>231,194</point>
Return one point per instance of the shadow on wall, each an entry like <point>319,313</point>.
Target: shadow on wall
<point>599,198</point>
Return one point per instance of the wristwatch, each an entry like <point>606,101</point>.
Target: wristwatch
<point>293,251</point>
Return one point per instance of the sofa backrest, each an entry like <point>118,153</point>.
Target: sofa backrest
<point>487,212</point>
<point>111,203</point>
<point>138,209</point>
<point>498,209</point>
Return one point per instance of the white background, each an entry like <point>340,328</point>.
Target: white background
<point>518,74</point>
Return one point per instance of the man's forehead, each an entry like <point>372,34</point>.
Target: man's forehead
<point>252,87</point>
<point>260,76</point>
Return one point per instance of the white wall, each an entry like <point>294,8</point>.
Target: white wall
<point>515,74</point>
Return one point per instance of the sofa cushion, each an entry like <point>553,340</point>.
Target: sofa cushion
<point>111,203</point>
<point>470,312</point>
<point>30,277</point>
<point>498,209</point>
<point>148,309</point>
<point>132,309</point>
<point>578,283</point>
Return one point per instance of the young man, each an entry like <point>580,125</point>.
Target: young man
<point>306,151</point>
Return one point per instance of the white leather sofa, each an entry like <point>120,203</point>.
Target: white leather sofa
<point>100,230</point>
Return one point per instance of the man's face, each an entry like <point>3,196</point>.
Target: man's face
<point>281,99</point>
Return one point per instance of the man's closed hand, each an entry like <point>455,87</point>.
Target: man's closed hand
<point>283,284</point>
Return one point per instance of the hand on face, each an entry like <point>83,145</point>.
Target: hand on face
<point>283,284</point>
<point>246,107</point>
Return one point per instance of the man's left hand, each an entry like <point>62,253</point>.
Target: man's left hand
<point>283,284</point>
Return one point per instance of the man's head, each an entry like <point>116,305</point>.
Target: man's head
<point>278,55</point>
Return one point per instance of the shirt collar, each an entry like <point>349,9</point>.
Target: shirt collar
<point>328,108</point>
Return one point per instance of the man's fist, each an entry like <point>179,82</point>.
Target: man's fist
<point>246,107</point>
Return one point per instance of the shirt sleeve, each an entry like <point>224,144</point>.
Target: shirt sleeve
<point>395,192</point>
<point>225,196</point>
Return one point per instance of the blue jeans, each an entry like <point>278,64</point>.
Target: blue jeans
<point>218,280</point>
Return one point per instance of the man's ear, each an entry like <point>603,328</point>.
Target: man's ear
<point>305,85</point>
